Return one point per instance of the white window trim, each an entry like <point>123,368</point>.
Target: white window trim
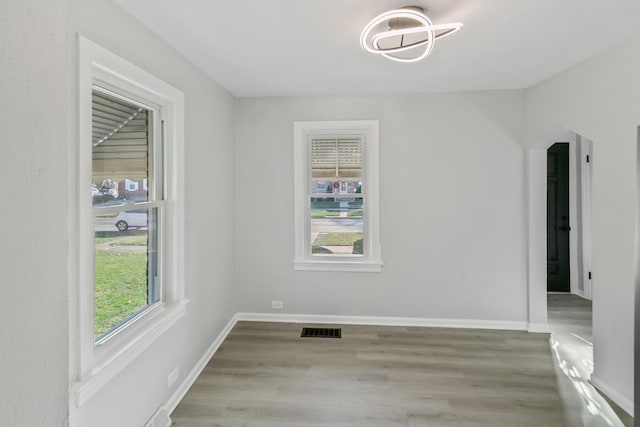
<point>371,261</point>
<point>92,365</point>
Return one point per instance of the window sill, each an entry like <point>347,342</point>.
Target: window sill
<point>83,390</point>
<point>340,266</point>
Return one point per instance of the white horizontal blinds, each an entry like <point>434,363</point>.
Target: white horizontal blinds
<point>337,159</point>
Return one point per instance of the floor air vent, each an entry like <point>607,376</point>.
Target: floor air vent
<point>321,333</point>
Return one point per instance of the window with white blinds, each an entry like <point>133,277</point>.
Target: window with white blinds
<point>336,196</point>
<point>336,158</point>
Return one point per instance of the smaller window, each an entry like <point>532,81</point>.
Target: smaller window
<point>336,190</point>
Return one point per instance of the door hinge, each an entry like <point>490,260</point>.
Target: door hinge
<point>587,158</point>
<point>589,275</point>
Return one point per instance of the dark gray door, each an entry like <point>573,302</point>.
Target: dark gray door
<point>558,218</point>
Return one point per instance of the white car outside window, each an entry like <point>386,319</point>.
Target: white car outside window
<point>128,219</point>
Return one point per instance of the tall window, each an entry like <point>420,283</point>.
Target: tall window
<point>336,189</point>
<point>127,147</point>
<point>129,241</point>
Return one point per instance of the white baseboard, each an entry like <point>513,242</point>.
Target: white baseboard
<point>159,419</point>
<point>182,390</point>
<point>538,328</point>
<point>579,293</point>
<point>612,394</point>
<point>383,321</point>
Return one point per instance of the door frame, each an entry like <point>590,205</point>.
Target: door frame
<point>586,174</point>
<point>536,175</point>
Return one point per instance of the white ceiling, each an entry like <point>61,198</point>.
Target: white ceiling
<point>311,47</point>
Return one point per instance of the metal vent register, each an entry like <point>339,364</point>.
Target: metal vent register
<point>321,333</point>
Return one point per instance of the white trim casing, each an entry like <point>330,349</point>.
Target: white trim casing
<point>587,170</point>
<point>538,328</point>
<point>573,216</point>
<point>84,390</point>
<point>92,365</point>
<point>303,131</point>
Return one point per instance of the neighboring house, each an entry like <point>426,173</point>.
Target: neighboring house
<point>116,125</point>
<point>133,190</point>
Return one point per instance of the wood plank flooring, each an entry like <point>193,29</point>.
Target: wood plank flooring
<point>570,317</point>
<point>571,314</point>
<point>264,374</point>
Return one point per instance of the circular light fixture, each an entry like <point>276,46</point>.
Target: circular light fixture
<point>404,35</point>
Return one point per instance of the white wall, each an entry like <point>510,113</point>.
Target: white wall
<point>38,66</point>
<point>452,201</point>
<point>600,100</point>
<point>33,218</point>
<point>132,397</point>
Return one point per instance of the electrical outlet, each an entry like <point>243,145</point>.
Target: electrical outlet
<point>277,305</point>
<point>173,376</point>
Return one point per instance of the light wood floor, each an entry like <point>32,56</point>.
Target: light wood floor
<point>265,375</point>
<point>570,313</point>
<point>570,317</point>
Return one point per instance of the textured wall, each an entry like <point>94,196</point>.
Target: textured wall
<point>33,218</point>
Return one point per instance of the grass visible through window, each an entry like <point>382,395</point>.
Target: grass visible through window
<point>322,213</point>
<point>344,243</point>
<point>120,280</point>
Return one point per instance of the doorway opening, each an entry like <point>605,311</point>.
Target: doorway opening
<point>569,311</point>
<point>569,284</point>
<point>569,216</point>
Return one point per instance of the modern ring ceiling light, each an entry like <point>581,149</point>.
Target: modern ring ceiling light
<point>404,35</point>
